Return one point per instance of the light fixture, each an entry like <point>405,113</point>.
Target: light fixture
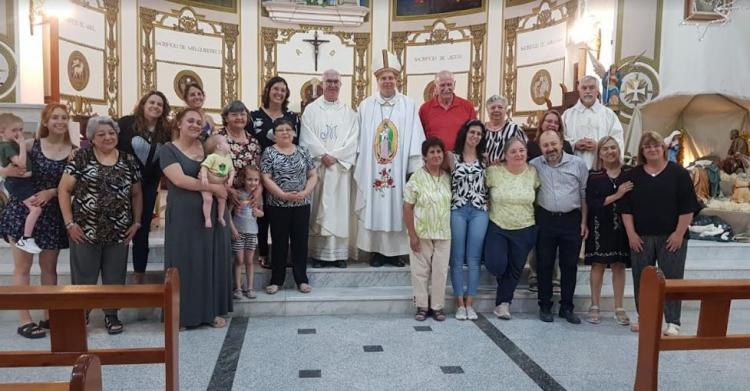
<point>40,11</point>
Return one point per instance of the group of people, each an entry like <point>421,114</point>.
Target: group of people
<point>391,179</point>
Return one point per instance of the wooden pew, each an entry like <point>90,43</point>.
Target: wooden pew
<point>86,376</point>
<point>715,296</point>
<point>67,307</point>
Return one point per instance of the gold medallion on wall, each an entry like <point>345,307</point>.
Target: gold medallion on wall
<point>7,70</point>
<point>183,79</point>
<point>541,86</point>
<point>78,70</point>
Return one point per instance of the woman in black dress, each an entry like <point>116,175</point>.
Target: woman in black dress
<point>607,243</point>
<point>49,154</point>
<point>274,105</point>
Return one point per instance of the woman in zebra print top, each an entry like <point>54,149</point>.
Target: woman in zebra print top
<point>104,212</point>
<point>289,176</point>
<point>499,129</point>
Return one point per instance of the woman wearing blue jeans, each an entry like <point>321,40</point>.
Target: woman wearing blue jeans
<point>469,216</point>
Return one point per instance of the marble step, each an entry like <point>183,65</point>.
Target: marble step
<point>698,251</point>
<point>362,275</point>
<point>368,300</point>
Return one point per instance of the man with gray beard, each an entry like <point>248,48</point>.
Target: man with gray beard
<point>561,217</point>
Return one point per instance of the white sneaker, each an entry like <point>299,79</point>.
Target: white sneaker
<point>503,311</point>
<point>28,245</point>
<point>672,330</point>
<point>461,313</point>
<point>471,314</point>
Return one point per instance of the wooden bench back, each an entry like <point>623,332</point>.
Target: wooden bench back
<point>67,307</point>
<point>86,376</point>
<point>716,298</point>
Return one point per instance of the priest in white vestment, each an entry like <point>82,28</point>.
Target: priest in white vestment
<point>588,121</point>
<point>390,143</point>
<point>330,133</point>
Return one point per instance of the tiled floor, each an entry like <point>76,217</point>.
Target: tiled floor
<point>394,352</point>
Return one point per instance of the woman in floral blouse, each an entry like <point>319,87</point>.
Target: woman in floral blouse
<point>427,208</point>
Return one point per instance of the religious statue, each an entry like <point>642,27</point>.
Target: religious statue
<point>611,82</point>
<point>672,143</point>
<point>741,189</point>
<point>737,157</point>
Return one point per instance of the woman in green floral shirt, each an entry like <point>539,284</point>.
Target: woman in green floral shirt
<point>427,208</point>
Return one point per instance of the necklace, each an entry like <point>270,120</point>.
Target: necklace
<point>383,117</point>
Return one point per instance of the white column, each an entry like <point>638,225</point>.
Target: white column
<point>130,61</point>
<point>30,66</point>
<point>249,53</point>
<point>493,75</point>
<point>381,31</point>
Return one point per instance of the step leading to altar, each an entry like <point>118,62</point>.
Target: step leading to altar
<point>363,289</point>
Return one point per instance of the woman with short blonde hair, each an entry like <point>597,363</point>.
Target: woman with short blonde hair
<point>607,243</point>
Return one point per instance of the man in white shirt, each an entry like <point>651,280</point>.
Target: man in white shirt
<point>588,121</point>
<point>390,147</point>
<point>330,133</point>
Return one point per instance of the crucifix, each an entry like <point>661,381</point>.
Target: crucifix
<point>316,45</point>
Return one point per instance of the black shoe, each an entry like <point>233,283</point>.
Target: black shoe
<point>341,264</point>
<point>395,261</point>
<point>318,264</point>
<point>570,316</point>
<point>376,260</point>
<point>545,315</point>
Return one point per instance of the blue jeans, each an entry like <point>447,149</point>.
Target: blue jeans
<point>468,227</point>
<point>505,253</point>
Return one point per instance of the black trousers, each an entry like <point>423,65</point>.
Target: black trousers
<point>140,239</point>
<point>558,232</point>
<point>263,229</point>
<point>289,226</point>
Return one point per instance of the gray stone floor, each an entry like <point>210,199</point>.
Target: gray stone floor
<point>386,352</point>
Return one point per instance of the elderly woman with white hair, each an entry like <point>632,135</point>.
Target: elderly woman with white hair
<point>101,203</point>
<point>499,129</point>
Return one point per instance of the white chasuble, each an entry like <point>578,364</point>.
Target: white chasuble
<point>390,146</point>
<point>330,128</point>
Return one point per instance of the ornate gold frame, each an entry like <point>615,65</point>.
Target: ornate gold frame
<point>440,33</point>
<point>201,4</point>
<point>441,15</point>
<point>513,26</point>
<point>188,20</point>
<point>81,105</point>
<point>271,37</point>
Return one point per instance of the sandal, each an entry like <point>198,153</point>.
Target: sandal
<point>219,322</point>
<point>31,331</point>
<point>621,317</point>
<point>593,316</point>
<point>304,288</point>
<point>271,289</point>
<point>113,324</point>
<point>421,314</point>
<point>634,327</point>
<point>438,315</point>
<point>44,324</point>
<point>249,293</point>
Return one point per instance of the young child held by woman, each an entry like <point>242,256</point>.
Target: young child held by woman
<point>13,152</point>
<point>217,169</point>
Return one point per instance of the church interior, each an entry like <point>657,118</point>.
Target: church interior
<point>675,67</point>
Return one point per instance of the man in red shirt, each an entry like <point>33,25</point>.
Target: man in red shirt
<point>443,115</point>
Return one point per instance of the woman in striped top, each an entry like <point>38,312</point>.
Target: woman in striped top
<point>500,128</point>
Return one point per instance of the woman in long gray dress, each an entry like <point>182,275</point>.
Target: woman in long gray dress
<point>202,255</point>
